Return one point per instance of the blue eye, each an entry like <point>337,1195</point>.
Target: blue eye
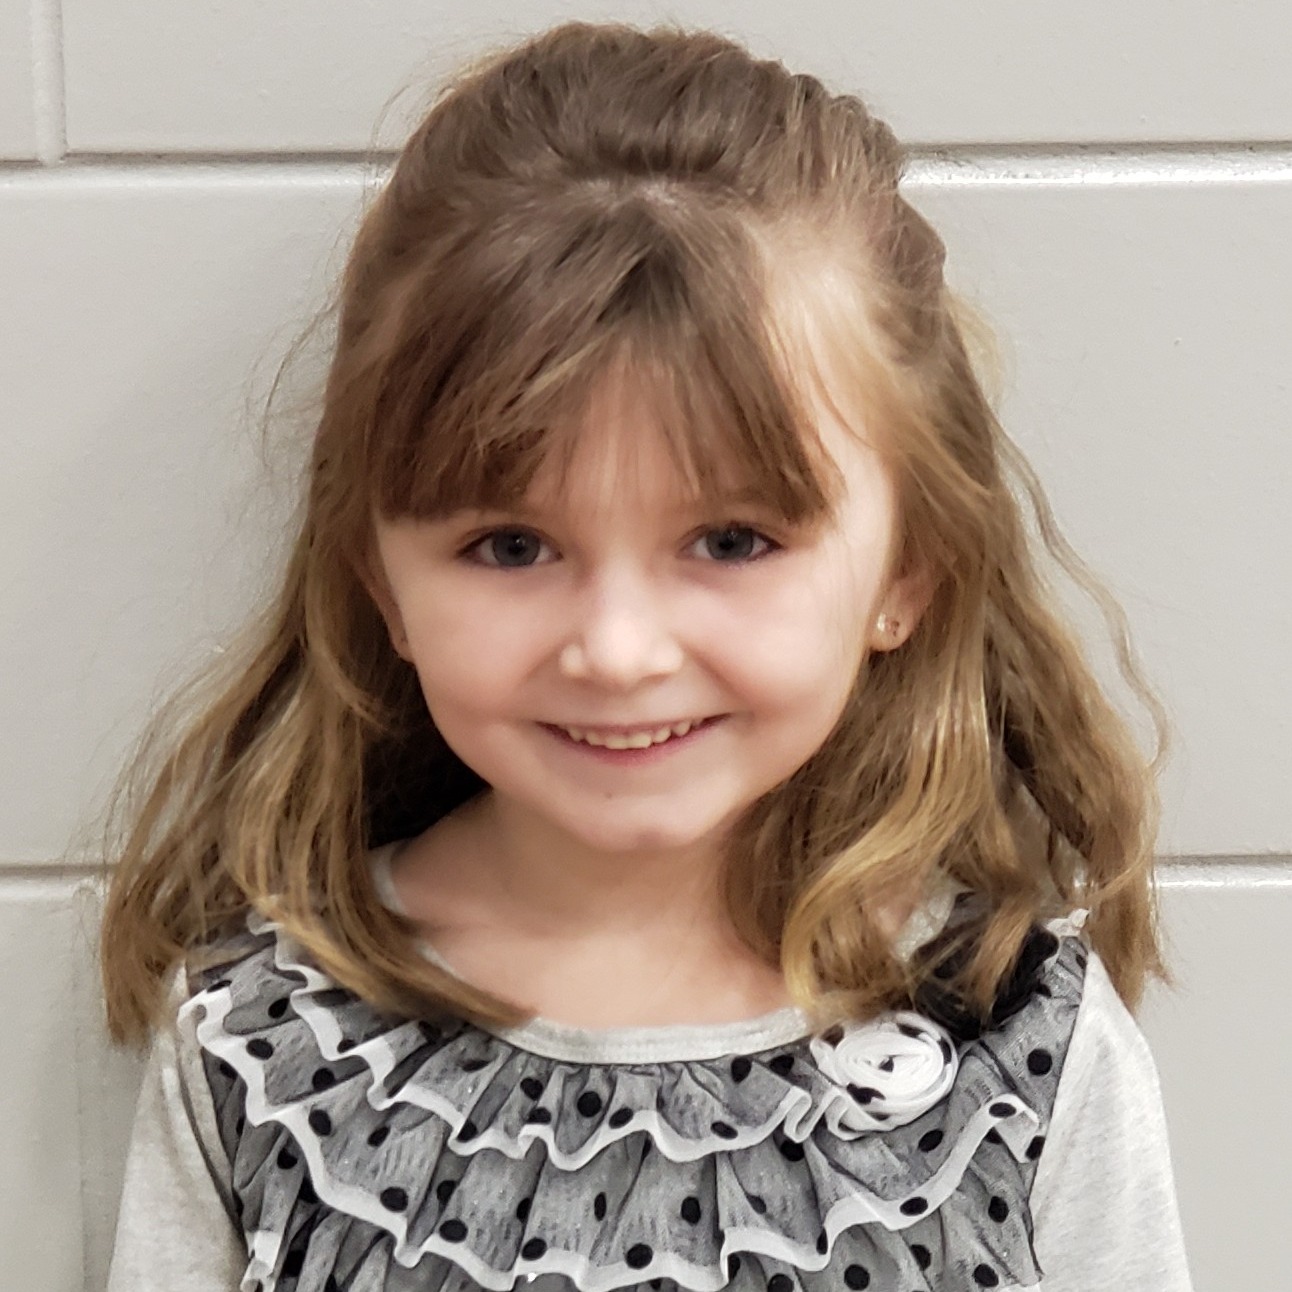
<point>509,549</point>
<point>732,544</point>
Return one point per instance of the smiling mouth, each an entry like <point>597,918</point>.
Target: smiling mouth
<point>641,739</point>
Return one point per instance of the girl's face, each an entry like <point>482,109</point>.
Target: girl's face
<point>606,614</point>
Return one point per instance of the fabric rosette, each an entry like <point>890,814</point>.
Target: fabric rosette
<point>895,1067</point>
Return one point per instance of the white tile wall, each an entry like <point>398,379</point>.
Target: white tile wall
<point>1222,1040</point>
<point>236,75</point>
<point>1142,296</point>
<point>137,330</point>
<point>40,1183</point>
<point>1146,328</point>
<point>17,89</point>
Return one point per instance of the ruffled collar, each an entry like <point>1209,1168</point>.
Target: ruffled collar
<point>455,1151</point>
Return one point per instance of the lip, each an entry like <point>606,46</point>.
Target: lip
<point>629,730</point>
<point>632,757</point>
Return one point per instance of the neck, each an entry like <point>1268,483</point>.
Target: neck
<point>553,886</point>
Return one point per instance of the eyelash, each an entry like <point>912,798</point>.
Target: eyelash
<point>468,552</point>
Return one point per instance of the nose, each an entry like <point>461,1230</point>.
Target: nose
<point>622,635</point>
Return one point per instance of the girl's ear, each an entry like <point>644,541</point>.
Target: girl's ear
<point>901,608</point>
<point>379,590</point>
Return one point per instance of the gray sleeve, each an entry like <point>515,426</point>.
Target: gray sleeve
<point>175,1231</point>
<point>1103,1201</point>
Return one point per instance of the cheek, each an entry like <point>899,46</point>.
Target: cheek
<point>466,656</point>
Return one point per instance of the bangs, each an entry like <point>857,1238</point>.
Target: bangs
<point>518,331</point>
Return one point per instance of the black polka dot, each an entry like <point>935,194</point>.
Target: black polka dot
<point>453,1231</point>
<point>538,1116</point>
<point>1035,1147</point>
<point>782,1064</point>
<point>286,1159</point>
<point>621,1117</point>
<point>740,1067</point>
<point>473,1065</point>
<point>986,1277</point>
<point>857,1277</point>
<point>599,1206</point>
<point>639,1256</point>
<point>293,1263</point>
<point>469,1130</point>
<point>691,1210</point>
<point>930,1140</point>
<point>533,1249</point>
<point>522,1209</point>
<point>277,1008</point>
<point>1002,1109</point>
<point>1039,1062</point>
<point>791,1150</point>
<point>589,1103</point>
<point>444,1190</point>
<point>733,1266</point>
<point>323,1079</point>
<point>923,1257</point>
<point>259,1048</point>
<point>320,1122</point>
<point>723,1130</point>
<point>993,1137</point>
<point>532,1087</point>
<point>379,1136</point>
<point>914,1206</point>
<point>998,1209</point>
<point>780,1283</point>
<point>864,1094</point>
<point>758,1204</point>
<point>822,1243</point>
<point>394,1199</point>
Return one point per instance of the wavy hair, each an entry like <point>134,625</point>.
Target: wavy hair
<point>729,232</point>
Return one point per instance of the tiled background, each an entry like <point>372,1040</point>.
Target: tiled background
<point>1115,185</point>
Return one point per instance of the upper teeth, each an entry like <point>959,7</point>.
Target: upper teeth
<point>640,740</point>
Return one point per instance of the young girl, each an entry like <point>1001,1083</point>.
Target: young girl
<point>661,833</point>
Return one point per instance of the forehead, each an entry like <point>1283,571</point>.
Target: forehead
<point>619,455</point>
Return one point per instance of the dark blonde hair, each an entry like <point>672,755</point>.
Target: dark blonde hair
<point>599,199</point>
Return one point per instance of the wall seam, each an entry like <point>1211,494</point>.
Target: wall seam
<point>1136,165</point>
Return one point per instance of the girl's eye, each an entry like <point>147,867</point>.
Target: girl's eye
<point>734,543</point>
<point>510,549</point>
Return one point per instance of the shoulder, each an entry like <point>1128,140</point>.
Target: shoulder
<point>1103,1198</point>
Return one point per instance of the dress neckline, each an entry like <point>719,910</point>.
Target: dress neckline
<point>654,1043</point>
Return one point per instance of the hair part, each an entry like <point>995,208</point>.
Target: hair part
<point>658,204</point>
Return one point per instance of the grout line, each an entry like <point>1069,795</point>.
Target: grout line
<point>1083,165</point>
<point>960,165</point>
<point>49,872</point>
<point>48,81</point>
